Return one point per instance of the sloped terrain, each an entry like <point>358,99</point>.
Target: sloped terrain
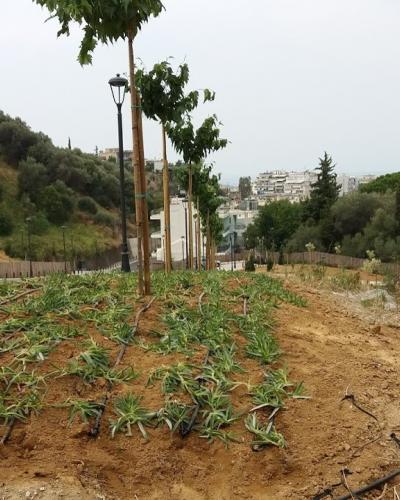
<point>213,350</point>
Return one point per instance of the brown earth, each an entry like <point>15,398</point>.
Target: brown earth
<point>328,347</point>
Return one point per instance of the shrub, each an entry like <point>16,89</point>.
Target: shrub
<point>39,223</point>
<point>270,264</point>
<point>104,219</point>
<point>250,264</point>
<point>87,204</point>
<point>6,223</point>
<point>57,203</point>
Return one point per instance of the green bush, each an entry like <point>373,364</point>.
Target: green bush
<point>104,219</point>
<point>87,204</point>
<point>270,264</point>
<point>250,264</point>
<point>57,203</point>
<point>39,223</point>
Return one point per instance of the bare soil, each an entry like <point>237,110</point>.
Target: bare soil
<point>326,345</point>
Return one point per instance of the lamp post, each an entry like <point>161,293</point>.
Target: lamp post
<point>118,87</point>
<point>232,252</point>
<point>65,248</point>
<point>28,227</point>
<point>183,252</point>
<point>185,202</point>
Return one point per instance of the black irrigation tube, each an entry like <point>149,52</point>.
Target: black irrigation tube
<point>372,486</point>
<point>396,439</point>
<point>352,398</point>
<point>94,431</point>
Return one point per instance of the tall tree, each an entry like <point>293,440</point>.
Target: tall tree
<point>163,99</point>
<point>107,21</point>
<point>325,191</point>
<point>195,146</point>
<point>244,187</point>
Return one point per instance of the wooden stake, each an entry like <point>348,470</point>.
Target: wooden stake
<point>145,213</point>
<point>167,213</point>
<point>190,199</point>
<point>198,236</point>
<point>136,163</point>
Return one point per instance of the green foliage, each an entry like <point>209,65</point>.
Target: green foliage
<point>87,204</point>
<point>276,223</point>
<point>250,265</point>
<point>324,192</point>
<point>57,202</point>
<point>102,21</point>
<point>163,92</point>
<point>382,184</point>
<point>196,145</point>
<point>6,222</point>
<point>104,219</point>
<point>15,139</point>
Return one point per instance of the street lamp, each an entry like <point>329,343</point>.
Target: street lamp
<point>183,251</point>
<point>28,227</point>
<point>118,87</point>
<point>64,247</point>
<point>185,203</point>
<point>232,251</point>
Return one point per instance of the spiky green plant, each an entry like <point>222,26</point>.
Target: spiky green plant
<point>130,412</point>
<point>265,435</point>
<point>83,409</point>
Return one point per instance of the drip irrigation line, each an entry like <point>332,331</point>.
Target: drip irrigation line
<point>394,437</point>
<point>352,398</point>
<point>122,351</point>
<point>95,430</point>
<point>372,486</point>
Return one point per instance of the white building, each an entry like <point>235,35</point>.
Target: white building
<point>281,185</point>
<point>178,231</point>
<point>348,184</point>
<point>235,223</point>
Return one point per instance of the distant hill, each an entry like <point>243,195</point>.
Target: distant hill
<point>58,187</point>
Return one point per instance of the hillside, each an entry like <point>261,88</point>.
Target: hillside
<point>58,187</point>
<point>383,183</point>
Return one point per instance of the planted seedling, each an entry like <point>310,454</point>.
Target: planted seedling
<point>130,412</point>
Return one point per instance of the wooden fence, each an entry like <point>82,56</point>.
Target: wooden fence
<point>21,269</point>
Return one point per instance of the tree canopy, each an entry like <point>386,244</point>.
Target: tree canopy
<point>104,21</point>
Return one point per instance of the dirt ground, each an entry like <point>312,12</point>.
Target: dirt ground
<point>332,348</point>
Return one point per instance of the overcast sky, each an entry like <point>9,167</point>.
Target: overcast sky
<point>293,78</point>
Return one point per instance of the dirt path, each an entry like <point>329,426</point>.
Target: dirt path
<point>330,349</point>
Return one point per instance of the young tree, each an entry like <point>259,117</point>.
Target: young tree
<point>244,187</point>
<point>107,21</point>
<point>163,99</point>
<point>195,146</point>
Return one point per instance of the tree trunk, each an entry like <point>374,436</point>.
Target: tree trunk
<point>198,236</point>
<point>167,213</point>
<point>208,243</point>
<point>145,212</point>
<point>190,198</point>
<point>136,165</point>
